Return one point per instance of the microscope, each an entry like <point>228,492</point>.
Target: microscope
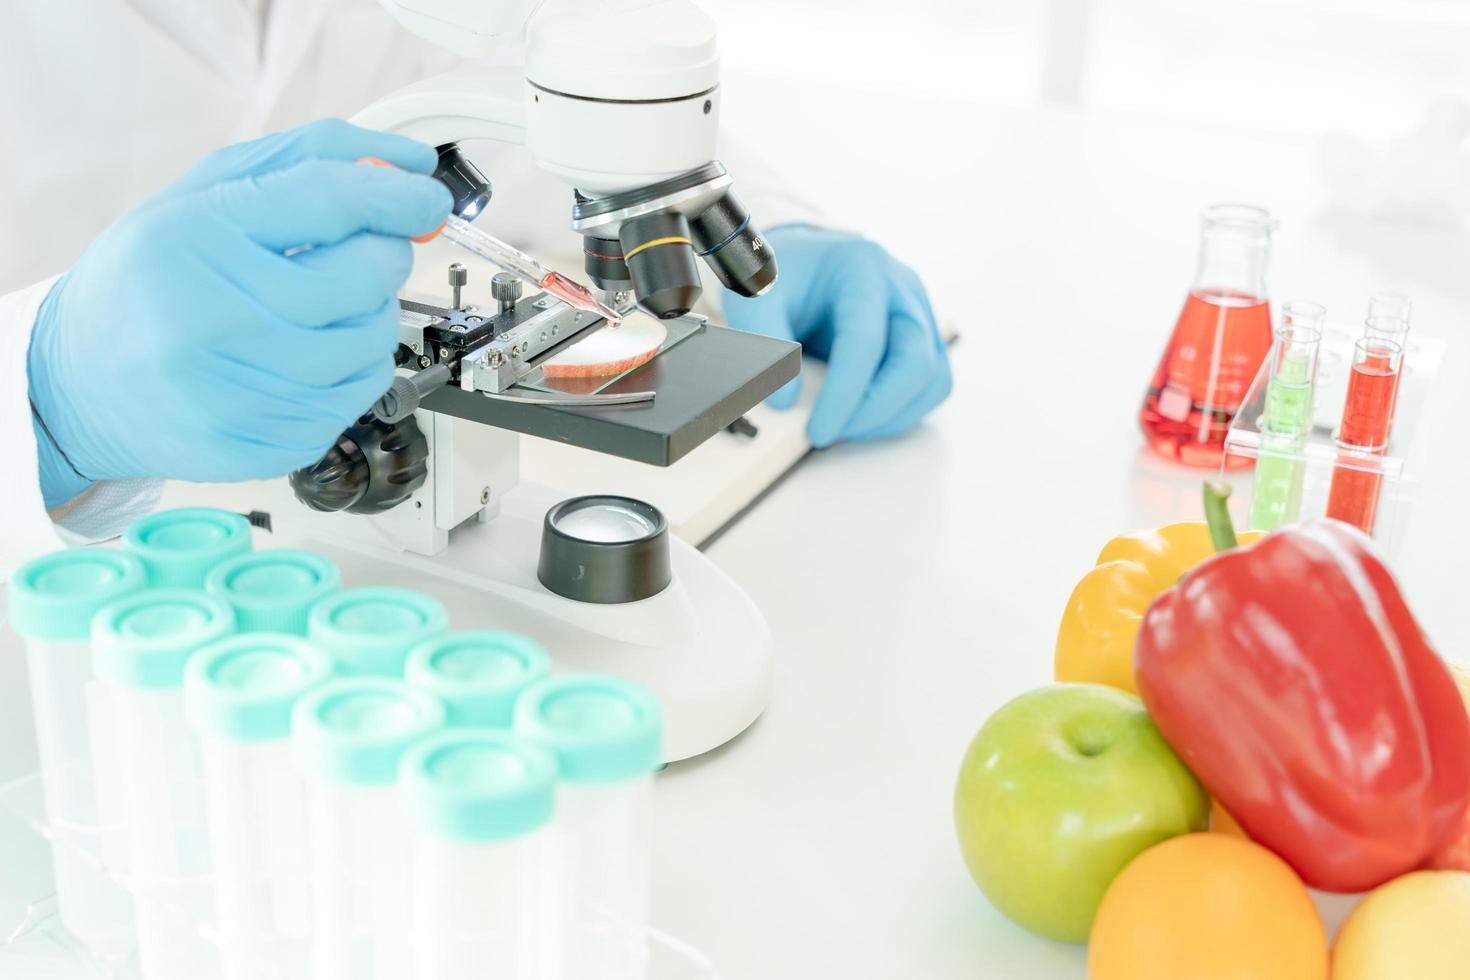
<point>619,99</point>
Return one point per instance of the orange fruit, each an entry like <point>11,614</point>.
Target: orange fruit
<point>1207,907</point>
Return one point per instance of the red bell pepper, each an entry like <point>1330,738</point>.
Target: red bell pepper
<point>1294,681</point>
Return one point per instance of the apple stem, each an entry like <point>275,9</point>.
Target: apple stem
<point>1217,516</point>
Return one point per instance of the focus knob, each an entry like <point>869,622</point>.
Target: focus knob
<point>506,289</point>
<point>373,467</point>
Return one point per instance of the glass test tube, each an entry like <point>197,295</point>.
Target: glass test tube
<point>52,601</point>
<point>478,675</point>
<point>368,632</point>
<point>1394,329</point>
<point>179,547</point>
<point>486,888</point>
<point>140,645</point>
<point>272,591</point>
<point>1290,385</point>
<point>347,738</point>
<point>238,694</point>
<point>607,736</point>
<point>1363,435</point>
<point>1391,304</point>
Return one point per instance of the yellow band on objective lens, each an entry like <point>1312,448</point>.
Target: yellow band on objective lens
<point>671,240</point>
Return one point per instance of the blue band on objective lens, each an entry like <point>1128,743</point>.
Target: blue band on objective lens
<point>728,239</point>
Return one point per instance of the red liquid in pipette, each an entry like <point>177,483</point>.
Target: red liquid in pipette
<point>579,297</point>
<point>1366,419</point>
<point>1213,356</point>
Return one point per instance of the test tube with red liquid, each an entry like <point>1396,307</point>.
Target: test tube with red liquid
<point>1392,327</point>
<point>1367,416</point>
<point>1218,344</point>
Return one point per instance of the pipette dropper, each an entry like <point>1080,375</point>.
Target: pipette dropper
<point>518,263</point>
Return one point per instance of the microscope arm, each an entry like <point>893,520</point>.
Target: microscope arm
<point>470,102</point>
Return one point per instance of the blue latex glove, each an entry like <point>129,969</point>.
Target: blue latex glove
<point>850,303</point>
<point>193,341</point>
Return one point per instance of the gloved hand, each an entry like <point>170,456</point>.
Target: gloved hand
<point>194,341</point>
<point>850,303</point>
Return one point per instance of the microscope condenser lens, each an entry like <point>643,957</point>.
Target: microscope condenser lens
<point>605,549</point>
<point>605,523</point>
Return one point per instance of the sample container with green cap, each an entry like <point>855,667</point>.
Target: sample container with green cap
<point>477,674</point>
<point>140,645</point>
<point>486,887</point>
<point>179,547</point>
<point>348,737</point>
<point>272,591</point>
<point>239,693</point>
<point>52,601</point>
<point>368,632</point>
<point>607,736</point>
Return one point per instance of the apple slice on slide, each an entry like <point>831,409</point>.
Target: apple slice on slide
<point>609,350</point>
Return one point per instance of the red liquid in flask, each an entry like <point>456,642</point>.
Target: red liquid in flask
<point>1212,357</point>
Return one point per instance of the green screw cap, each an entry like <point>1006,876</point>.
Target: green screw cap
<point>479,785</point>
<point>368,632</point>
<point>179,547</point>
<point>144,640</point>
<point>54,597</point>
<point>243,688</point>
<point>601,729</point>
<point>356,730</point>
<point>478,674</point>
<point>273,590</point>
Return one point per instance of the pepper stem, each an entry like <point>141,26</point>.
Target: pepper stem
<point>1217,515</point>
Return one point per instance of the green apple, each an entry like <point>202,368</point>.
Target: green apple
<point>1058,791</point>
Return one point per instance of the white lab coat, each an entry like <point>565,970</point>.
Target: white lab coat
<point>106,101</point>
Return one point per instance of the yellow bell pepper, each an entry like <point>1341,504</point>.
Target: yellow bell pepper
<point>1100,623</point>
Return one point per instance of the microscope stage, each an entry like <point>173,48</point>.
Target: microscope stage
<point>701,385</point>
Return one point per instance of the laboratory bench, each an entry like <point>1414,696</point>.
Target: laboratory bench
<point>914,585</point>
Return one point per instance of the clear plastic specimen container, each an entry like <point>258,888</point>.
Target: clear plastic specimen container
<point>52,602</point>
<point>478,674</point>
<point>272,591</point>
<point>239,693</point>
<point>487,899</point>
<point>368,632</point>
<point>348,737</point>
<point>179,547</point>
<point>607,736</point>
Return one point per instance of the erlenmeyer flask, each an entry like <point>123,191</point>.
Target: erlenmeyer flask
<point>1223,335</point>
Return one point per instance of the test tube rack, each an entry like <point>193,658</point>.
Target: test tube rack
<point>35,929</point>
<point>1320,455</point>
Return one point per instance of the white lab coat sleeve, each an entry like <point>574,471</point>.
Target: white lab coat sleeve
<point>26,528</point>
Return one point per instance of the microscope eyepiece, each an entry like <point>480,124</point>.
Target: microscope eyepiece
<point>740,256</point>
<point>660,258</point>
<point>470,188</point>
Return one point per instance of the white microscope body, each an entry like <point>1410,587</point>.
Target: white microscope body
<point>613,96</point>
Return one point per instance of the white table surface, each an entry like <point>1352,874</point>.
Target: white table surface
<point>915,585</point>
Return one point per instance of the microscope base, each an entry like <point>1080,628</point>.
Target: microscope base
<point>701,645</point>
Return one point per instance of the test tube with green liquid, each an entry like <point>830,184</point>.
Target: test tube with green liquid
<point>1287,422</point>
